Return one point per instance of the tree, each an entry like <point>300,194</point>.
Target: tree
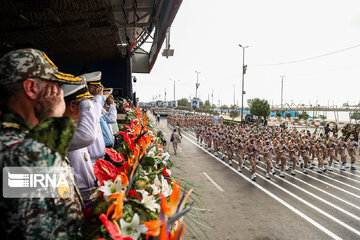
<point>304,116</point>
<point>249,101</point>
<point>224,107</point>
<point>184,102</point>
<point>207,103</point>
<point>234,114</point>
<point>322,117</point>
<point>288,115</point>
<point>260,107</point>
<point>355,116</point>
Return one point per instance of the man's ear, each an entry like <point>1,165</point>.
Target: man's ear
<point>31,89</point>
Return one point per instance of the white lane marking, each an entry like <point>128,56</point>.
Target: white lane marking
<point>310,220</point>
<point>336,168</point>
<point>317,197</point>
<point>329,184</point>
<point>213,182</point>
<point>334,173</point>
<point>319,189</point>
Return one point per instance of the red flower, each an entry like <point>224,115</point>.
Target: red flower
<point>112,228</point>
<point>164,172</point>
<point>133,193</point>
<point>104,170</point>
<point>115,156</point>
<point>127,139</point>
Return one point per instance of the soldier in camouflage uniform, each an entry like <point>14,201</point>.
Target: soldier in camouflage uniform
<point>351,147</point>
<point>33,133</point>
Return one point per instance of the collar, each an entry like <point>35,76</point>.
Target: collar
<point>13,121</point>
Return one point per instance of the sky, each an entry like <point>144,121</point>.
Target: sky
<point>206,35</point>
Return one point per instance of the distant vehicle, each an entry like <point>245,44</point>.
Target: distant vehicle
<point>249,118</point>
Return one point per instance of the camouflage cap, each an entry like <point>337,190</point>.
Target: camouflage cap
<point>20,64</point>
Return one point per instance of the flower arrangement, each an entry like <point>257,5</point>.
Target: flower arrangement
<point>136,198</point>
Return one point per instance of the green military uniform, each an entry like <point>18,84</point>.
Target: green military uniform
<point>45,145</point>
<point>42,146</point>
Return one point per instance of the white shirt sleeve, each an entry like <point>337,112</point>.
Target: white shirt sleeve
<point>110,117</point>
<point>86,127</point>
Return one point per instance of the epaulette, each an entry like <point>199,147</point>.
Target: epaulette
<point>10,125</point>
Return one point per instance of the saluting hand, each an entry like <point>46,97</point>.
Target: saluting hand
<point>50,102</point>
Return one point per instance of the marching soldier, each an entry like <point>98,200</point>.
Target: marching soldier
<point>267,152</point>
<point>341,148</point>
<point>351,146</point>
<point>331,152</point>
<point>252,150</point>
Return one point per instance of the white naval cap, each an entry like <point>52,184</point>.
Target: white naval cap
<point>93,78</point>
<point>73,92</point>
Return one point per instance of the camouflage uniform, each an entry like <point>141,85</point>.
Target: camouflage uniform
<point>44,145</point>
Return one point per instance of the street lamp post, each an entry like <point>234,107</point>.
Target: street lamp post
<point>242,83</point>
<point>174,88</point>
<point>282,89</point>
<point>197,83</point>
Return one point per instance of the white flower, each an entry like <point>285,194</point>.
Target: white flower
<point>156,190</point>
<point>166,156</point>
<point>133,229</point>
<point>149,201</point>
<point>111,187</point>
<point>165,188</point>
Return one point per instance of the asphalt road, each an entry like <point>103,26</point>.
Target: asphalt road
<point>313,206</point>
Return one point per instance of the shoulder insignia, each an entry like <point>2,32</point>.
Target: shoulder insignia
<point>12,143</point>
<point>10,125</point>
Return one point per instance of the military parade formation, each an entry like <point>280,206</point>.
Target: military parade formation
<point>281,148</point>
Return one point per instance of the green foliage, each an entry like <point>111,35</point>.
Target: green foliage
<point>224,107</point>
<point>249,102</point>
<point>183,108</point>
<point>184,102</point>
<point>234,114</point>
<point>288,115</point>
<point>232,122</point>
<point>207,103</point>
<point>355,116</point>
<point>260,107</point>
<point>304,116</point>
<point>322,117</point>
<point>278,114</point>
<point>322,123</point>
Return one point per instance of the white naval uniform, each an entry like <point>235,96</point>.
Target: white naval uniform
<point>97,149</point>
<point>110,116</point>
<point>78,154</point>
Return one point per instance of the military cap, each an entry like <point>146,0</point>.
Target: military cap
<point>75,92</point>
<point>18,65</point>
<point>93,78</point>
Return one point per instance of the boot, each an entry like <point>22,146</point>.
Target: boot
<point>267,175</point>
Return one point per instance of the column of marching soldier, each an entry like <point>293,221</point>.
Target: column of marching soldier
<point>290,147</point>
